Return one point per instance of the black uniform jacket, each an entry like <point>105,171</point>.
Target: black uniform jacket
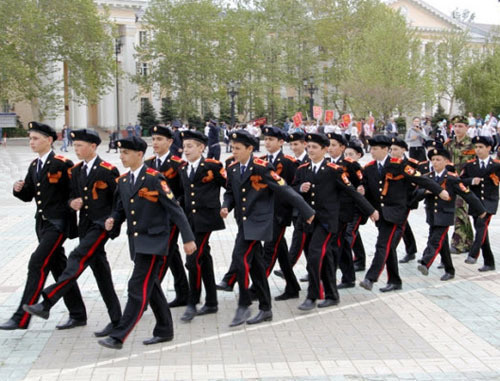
<point>324,194</point>
<point>388,192</point>
<point>355,175</point>
<point>487,189</point>
<point>51,192</point>
<point>148,206</point>
<point>252,196</point>
<point>96,190</point>
<point>170,169</point>
<point>440,212</point>
<point>202,195</point>
<point>285,166</point>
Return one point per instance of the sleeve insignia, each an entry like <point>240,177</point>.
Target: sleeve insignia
<point>166,189</point>
<point>345,179</point>
<point>463,188</point>
<point>410,170</point>
<point>277,178</point>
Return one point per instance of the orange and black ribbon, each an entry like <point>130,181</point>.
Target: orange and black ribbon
<point>148,195</point>
<point>98,185</point>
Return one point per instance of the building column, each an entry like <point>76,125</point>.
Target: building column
<point>106,110</point>
<point>129,107</point>
<point>78,115</point>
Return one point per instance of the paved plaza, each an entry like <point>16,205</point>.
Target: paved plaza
<point>428,330</point>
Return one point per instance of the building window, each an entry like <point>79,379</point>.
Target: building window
<point>143,37</point>
<point>142,68</point>
<point>143,103</point>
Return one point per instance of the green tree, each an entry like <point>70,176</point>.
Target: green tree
<point>167,112</point>
<point>147,117</point>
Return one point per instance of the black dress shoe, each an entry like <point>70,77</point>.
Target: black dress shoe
<point>72,323</point>
<point>158,339</point>
<point>390,287</point>
<point>328,303</point>
<point>10,325</point>
<point>346,285</point>
<point>447,276</point>
<point>111,342</point>
<point>223,286</point>
<point>305,278</point>
<point>407,258</point>
<point>189,314</point>
<point>241,316</point>
<point>423,269</point>
<point>260,317</point>
<point>367,284</point>
<point>286,296</point>
<point>206,310</point>
<point>37,310</point>
<point>106,331</point>
<point>470,260</point>
<point>307,305</point>
<point>359,267</point>
<point>279,273</point>
<point>177,303</point>
<point>486,268</point>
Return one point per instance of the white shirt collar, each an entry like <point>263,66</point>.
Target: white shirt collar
<point>382,162</point>
<point>194,164</point>
<point>162,158</point>
<point>486,161</point>
<point>335,159</point>
<point>316,166</point>
<point>90,164</point>
<point>301,157</point>
<point>136,172</point>
<point>440,173</point>
<point>45,157</point>
<point>246,164</point>
<point>274,155</point>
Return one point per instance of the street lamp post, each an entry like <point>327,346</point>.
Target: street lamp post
<point>118,49</point>
<point>233,91</point>
<point>309,86</point>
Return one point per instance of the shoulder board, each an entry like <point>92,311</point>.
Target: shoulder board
<point>150,158</point>
<point>233,163</point>
<point>303,165</point>
<point>453,174</point>
<point>412,160</point>
<point>333,165</point>
<point>176,158</point>
<point>260,162</point>
<point>60,157</point>
<point>107,165</point>
<point>291,158</point>
<point>370,163</point>
<point>423,162</point>
<point>213,161</point>
<point>349,160</point>
<point>396,160</point>
<point>471,161</point>
<point>119,177</point>
<point>152,172</point>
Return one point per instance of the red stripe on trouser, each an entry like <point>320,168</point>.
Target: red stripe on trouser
<point>35,296</point>
<point>231,280</point>
<point>355,235</point>
<point>245,262</point>
<point>81,264</point>
<point>302,244</point>
<point>198,267</point>
<point>438,249</point>
<point>387,249</point>
<point>161,273</point>
<point>484,236</point>
<point>323,252</point>
<point>144,296</point>
<point>275,252</point>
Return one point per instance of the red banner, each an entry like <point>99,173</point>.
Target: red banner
<point>329,115</point>
<point>297,119</point>
<point>317,112</point>
<point>346,119</point>
<point>259,122</point>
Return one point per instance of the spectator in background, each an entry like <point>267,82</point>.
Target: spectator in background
<point>130,129</point>
<point>391,128</point>
<point>65,138</point>
<point>428,127</point>
<point>287,125</point>
<point>472,120</point>
<point>415,137</point>
<point>213,140</point>
<point>138,129</point>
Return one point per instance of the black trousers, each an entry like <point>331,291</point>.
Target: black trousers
<point>385,253</point>
<point>437,243</point>
<point>247,257</point>
<point>482,240</point>
<point>408,237</point>
<point>345,260</point>
<point>353,237</point>
<point>90,252</point>
<point>173,261</point>
<point>277,249</point>
<point>201,268</point>
<point>214,152</point>
<point>48,256</point>
<point>298,243</point>
<point>144,287</point>
<point>320,264</point>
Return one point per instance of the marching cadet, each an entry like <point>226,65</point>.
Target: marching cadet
<point>441,213</point>
<point>462,150</point>
<point>47,182</point>
<point>169,165</point>
<point>92,188</point>
<point>202,180</point>
<point>386,183</point>
<point>341,247</point>
<point>398,149</point>
<point>354,150</point>
<point>144,199</point>
<point>298,143</point>
<point>251,189</point>
<point>483,176</point>
<point>320,182</point>
<point>277,249</point>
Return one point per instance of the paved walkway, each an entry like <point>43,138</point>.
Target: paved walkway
<point>429,330</point>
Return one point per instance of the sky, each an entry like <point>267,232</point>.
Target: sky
<point>487,11</point>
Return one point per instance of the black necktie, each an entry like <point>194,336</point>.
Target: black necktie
<point>482,165</point>
<point>380,169</point>
<point>243,169</point>
<point>191,174</point>
<point>158,163</point>
<point>132,180</point>
<point>270,158</point>
<point>438,178</point>
<point>39,169</point>
<point>84,172</point>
